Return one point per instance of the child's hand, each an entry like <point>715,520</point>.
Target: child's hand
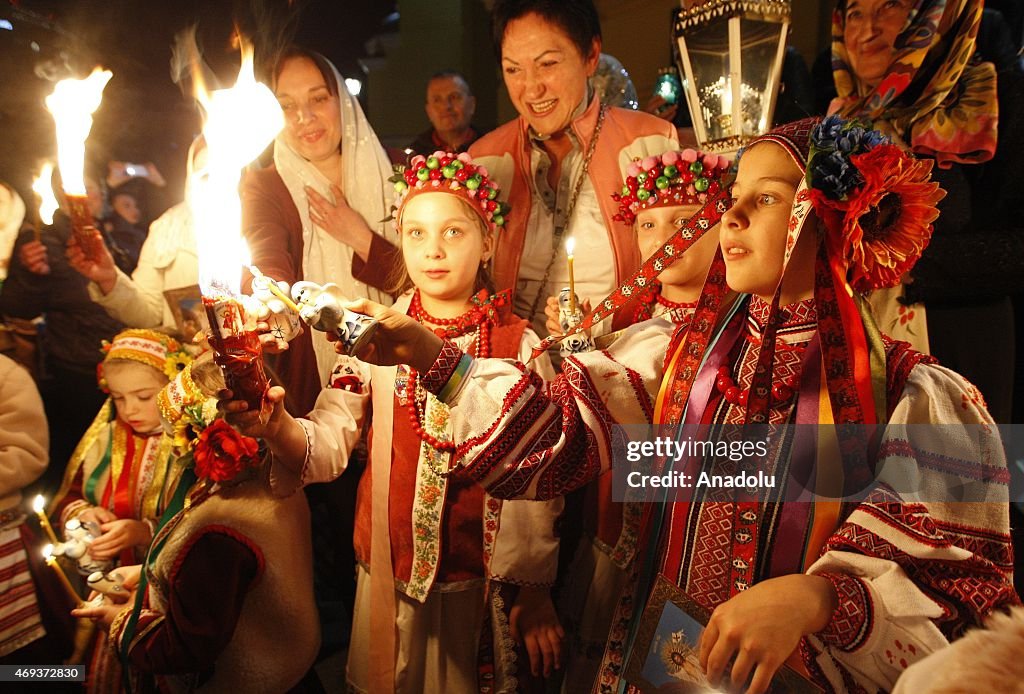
<point>97,515</point>
<point>533,622</point>
<point>554,318</point>
<point>762,626</point>
<point>103,613</point>
<point>119,535</point>
<point>131,575</point>
<point>249,422</point>
<point>398,339</point>
<point>551,313</point>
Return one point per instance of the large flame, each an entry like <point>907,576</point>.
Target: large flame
<point>72,104</point>
<point>240,122</point>
<point>43,187</point>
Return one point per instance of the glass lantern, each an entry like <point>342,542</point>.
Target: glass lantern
<point>730,55</point>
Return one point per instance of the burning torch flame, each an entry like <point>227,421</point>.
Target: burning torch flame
<point>240,122</point>
<point>72,104</point>
<point>44,189</point>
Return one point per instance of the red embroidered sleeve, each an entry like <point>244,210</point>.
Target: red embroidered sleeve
<point>443,367</point>
<point>851,622</point>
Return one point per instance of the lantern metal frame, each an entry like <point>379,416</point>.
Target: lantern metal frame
<point>690,21</point>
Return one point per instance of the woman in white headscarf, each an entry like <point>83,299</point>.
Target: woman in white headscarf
<point>318,213</point>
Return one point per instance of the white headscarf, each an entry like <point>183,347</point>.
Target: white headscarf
<point>365,174</point>
<point>12,214</point>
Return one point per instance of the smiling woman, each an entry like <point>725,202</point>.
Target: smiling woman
<point>562,159</point>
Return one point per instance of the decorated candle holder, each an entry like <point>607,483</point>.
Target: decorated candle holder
<point>83,227</point>
<point>569,316</point>
<point>77,538</point>
<point>320,308</point>
<point>107,584</point>
<point>237,351</point>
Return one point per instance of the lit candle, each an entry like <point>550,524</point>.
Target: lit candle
<point>570,246</point>
<point>238,124</point>
<point>72,104</point>
<point>51,561</point>
<point>39,506</point>
<point>43,187</point>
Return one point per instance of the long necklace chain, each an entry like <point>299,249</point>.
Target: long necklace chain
<point>570,208</point>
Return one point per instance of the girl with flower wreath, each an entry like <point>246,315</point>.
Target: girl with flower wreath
<point>122,472</point>
<point>861,556</point>
<point>659,194</point>
<point>224,598</point>
<point>448,577</point>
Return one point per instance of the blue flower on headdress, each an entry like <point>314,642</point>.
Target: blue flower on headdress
<point>833,142</point>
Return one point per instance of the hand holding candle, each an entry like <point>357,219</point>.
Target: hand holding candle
<point>39,506</point>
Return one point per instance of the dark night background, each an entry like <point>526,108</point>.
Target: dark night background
<point>144,116</point>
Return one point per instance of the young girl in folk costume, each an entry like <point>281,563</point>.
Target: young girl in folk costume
<point>879,570</point>
<point>675,185</point>
<point>448,576</point>
<point>225,594</point>
<point>121,475</point>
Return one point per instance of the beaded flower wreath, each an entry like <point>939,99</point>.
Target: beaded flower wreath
<point>149,347</point>
<point>688,177</point>
<point>876,202</point>
<point>448,172</point>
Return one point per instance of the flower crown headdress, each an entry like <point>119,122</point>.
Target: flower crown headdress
<point>875,201</point>
<point>674,178</point>
<point>447,172</point>
<point>149,347</point>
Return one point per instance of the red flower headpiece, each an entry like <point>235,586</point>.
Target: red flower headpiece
<point>876,201</point>
<point>675,178</point>
<point>447,172</point>
<point>221,453</point>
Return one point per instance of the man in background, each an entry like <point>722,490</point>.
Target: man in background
<point>450,107</point>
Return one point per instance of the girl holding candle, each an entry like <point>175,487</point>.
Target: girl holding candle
<point>121,475</point>
<point>680,183</point>
<point>874,567</point>
<point>453,575</point>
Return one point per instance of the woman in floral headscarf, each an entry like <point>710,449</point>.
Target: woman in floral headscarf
<point>911,67</point>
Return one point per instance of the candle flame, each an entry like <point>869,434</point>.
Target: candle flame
<point>38,504</point>
<point>239,123</point>
<point>43,187</point>
<point>72,104</point>
<point>48,552</point>
<point>570,245</point>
